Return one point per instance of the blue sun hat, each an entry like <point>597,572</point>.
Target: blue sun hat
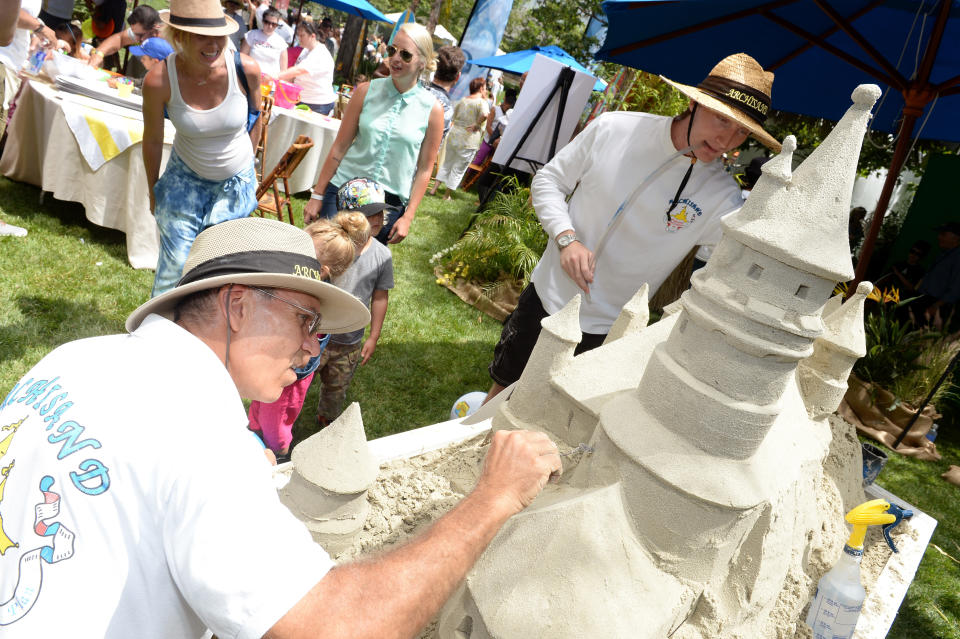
<point>362,194</point>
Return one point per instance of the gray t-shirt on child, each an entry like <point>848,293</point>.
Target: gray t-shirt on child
<point>373,271</point>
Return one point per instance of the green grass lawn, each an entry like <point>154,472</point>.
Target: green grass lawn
<point>69,279</point>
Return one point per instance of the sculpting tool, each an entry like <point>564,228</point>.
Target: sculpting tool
<point>581,448</point>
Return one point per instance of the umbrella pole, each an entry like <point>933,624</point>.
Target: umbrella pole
<point>899,159</point>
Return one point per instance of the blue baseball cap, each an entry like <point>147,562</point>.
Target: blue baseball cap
<point>156,48</point>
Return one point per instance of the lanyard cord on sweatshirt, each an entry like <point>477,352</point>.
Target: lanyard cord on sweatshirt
<point>686,176</point>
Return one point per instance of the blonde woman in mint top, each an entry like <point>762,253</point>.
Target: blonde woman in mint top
<point>390,133</point>
<point>209,177</point>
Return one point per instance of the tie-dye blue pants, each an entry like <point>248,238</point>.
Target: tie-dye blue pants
<point>186,204</point>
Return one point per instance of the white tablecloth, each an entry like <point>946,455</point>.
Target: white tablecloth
<point>285,126</point>
<point>41,150</point>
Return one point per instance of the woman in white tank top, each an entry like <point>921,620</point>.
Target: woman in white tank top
<point>209,177</point>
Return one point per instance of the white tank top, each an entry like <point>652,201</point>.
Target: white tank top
<point>213,142</point>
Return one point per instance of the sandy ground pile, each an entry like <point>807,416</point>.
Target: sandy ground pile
<point>410,494</point>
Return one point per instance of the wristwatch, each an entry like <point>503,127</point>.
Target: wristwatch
<point>316,196</point>
<point>563,241</point>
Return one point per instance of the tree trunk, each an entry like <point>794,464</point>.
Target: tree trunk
<point>434,15</point>
<point>351,46</point>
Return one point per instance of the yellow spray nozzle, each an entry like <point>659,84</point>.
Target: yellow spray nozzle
<point>869,513</point>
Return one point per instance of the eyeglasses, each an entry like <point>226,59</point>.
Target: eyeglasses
<point>271,24</point>
<point>405,55</point>
<point>312,320</point>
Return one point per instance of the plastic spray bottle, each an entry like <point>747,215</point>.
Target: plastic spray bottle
<point>836,606</point>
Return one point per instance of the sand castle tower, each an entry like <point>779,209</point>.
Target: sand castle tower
<point>823,377</point>
<point>332,471</point>
<point>703,479</point>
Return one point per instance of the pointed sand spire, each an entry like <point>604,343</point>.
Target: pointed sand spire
<point>801,219</point>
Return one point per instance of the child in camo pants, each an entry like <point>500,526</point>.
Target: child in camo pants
<point>369,278</point>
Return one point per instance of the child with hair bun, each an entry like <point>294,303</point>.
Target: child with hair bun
<point>361,202</point>
<point>357,227</point>
<point>273,422</point>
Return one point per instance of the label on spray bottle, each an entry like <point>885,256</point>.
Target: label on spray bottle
<point>833,619</point>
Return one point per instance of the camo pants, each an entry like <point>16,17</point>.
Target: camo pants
<point>337,365</point>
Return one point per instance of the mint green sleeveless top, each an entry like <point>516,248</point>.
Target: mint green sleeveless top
<point>392,128</point>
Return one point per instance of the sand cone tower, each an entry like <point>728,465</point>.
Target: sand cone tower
<point>537,403</point>
<point>823,377</point>
<point>333,470</point>
<point>633,317</point>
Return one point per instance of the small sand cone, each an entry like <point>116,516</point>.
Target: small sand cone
<point>633,317</point>
<point>332,471</point>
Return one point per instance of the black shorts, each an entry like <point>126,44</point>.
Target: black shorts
<point>520,332</point>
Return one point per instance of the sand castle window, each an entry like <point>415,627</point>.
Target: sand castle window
<point>755,271</point>
<point>802,292</point>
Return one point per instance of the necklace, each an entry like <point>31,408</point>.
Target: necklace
<point>201,83</point>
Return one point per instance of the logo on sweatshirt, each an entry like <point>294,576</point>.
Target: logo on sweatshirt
<point>683,215</point>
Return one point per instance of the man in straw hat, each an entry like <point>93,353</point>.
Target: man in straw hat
<point>660,178</point>
<point>135,504</point>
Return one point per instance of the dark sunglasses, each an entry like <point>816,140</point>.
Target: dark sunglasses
<point>405,55</point>
<point>271,24</point>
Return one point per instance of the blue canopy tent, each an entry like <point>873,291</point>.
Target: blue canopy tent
<point>521,61</point>
<point>360,8</point>
<point>819,51</point>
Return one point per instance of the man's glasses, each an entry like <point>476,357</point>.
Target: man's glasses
<point>271,24</point>
<point>405,55</point>
<point>312,320</point>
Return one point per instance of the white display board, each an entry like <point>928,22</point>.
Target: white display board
<point>541,80</point>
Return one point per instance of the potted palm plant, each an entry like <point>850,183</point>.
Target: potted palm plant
<point>493,260</point>
<point>901,368</point>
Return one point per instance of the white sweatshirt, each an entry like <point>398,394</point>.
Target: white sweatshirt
<point>608,160</point>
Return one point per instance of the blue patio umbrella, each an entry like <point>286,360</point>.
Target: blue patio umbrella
<point>360,8</point>
<point>819,50</point>
<point>521,61</point>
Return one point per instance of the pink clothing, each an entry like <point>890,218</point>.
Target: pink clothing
<point>275,421</point>
<point>482,153</point>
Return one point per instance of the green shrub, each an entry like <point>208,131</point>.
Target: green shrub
<point>904,360</point>
<point>504,243</point>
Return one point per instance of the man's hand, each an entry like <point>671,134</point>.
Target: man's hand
<point>576,262</point>
<point>367,349</point>
<point>47,34</point>
<point>400,230</point>
<point>517,467</point>
<point>311,211</point>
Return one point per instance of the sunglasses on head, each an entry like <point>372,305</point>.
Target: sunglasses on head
<point>405,55</point>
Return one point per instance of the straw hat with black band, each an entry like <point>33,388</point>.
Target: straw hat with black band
<point>738,88</point>
<point>204,17</point>
<point>258,252</point>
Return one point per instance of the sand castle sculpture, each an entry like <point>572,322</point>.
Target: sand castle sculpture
<point>697,504</point>
<point>695,512</point>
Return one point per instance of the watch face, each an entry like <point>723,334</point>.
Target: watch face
<point>566,240</point>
